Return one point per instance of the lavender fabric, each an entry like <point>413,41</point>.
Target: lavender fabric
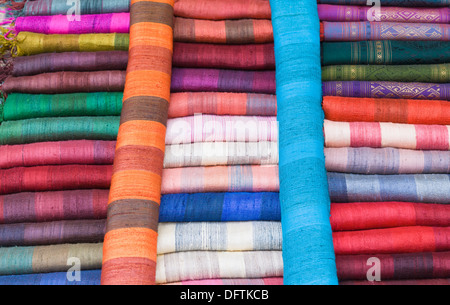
<point>214,80</point>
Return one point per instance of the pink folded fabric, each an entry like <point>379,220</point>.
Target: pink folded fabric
<point>377,135</point>
<point>249,178</point>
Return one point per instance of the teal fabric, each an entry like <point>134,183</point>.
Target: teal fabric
<point>16,260</point>
<point>308,252</point>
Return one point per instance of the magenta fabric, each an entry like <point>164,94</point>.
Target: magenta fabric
<point>60,24</point>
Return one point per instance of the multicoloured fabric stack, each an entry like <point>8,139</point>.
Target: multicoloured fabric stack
<point>59,124</point>
<point>219,219</point>
<point>198,124</point>
<point>386,102</point>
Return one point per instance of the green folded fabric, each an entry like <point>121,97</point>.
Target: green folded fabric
<point>394,73</point>
<point>59,129</point>
<point>20,106</point>
<point>385,52</point>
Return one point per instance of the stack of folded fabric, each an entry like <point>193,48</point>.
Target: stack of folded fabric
<point>58,126</point>
<point>386,99</point>
<point>219,215</point>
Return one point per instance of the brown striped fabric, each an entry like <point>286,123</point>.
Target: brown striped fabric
<point>129,252</point>
<point>243,31</point>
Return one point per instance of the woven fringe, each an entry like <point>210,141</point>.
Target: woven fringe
<point>8,42</point>
<point>6,67</point>
<point>16,6</point>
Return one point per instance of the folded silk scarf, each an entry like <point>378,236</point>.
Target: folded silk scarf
<point>89,152</point>
<point>27,43</point>
<point>374,188</point>
<point>44,259</point>
<point>219,236</point>
<point>377,135</point>
<point>52,233</point>
<point>53,206</point>
<point>66,82</point>
<point>243,31</point>
<point>224,56</point>
<point>59,129</point>
<point>386,161</point>
<point>385,52</point>
<point>380,89</point>
<point>430,265</point>
<point>185,104</point>
<point>57,7</point>
<point>378,215</point>
<point>347,109</point>
<point>220,207</point>
<point>249,178</point>
<point>361,31</point>
<point>220,153</point>
<point>82,24</point>
<point>215,80</point>
<point>19,106</point>
<point>221,10</point>
<point>54,178</point>
<point>396,73</point>
<point>69,61</point>
<point>394,240</point>
<point>198,265</point>
<point>385,14</point>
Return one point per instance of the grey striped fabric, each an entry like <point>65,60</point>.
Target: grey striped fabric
<point>219,236</point>
<point>197,265</point>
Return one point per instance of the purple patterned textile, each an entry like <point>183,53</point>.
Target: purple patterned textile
<point>387,14</point>
<point>421,91</point>
<point>360,31</point>
<point>207,80</point>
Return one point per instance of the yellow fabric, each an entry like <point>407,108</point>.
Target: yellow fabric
<point>27,43</point>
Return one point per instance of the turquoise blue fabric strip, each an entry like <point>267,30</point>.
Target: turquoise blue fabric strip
<point>308,252</point>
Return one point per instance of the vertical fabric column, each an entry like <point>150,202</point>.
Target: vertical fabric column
<point>129,252</point>
<point>308,253</point>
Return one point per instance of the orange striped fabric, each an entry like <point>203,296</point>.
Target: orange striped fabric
<point>129,250</point>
